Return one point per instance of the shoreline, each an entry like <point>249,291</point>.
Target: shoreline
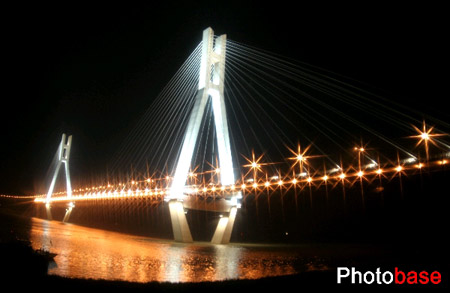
<point>302,281</point>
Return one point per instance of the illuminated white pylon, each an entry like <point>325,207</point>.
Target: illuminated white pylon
<point>63,157</point>
<point>211,84</point>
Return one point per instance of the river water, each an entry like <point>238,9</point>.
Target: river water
<point>98,254</point>
<point>91,253</point>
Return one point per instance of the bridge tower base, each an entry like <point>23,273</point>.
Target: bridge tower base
<point>69,209</point>
<point>48,211</point>
<point>223,231</point>
<point>180,227</point>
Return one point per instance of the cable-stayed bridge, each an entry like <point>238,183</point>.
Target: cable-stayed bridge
<point>193,142</point>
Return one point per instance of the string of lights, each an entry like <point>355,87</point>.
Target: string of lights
<point>255,180</point>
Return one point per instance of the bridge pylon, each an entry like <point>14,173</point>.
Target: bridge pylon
<point>211,84</point>
<point>63,156</point>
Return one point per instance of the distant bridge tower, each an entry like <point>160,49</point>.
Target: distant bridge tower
<point>63,153</point>
<point>211,84</point>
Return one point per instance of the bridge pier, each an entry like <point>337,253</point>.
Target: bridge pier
<point>48,211</point>
<point>180,227</point>
<point>224,228</point>
<point>69,209</point>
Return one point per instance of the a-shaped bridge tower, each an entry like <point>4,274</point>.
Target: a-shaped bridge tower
<point>63,156</point>
<point>211,84</point>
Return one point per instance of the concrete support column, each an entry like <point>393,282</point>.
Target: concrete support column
<point>49,211</point>
<point>224,228</point>
<point>69,209</point>
<point>180,227</point>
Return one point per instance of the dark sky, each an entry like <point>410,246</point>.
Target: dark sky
<point>91,70</point>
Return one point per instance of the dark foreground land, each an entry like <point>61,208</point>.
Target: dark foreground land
<point>300,282</point>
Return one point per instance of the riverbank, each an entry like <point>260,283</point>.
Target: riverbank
<point>316,280</point>
<point>300,281</point>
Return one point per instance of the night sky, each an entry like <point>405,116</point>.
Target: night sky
<point>91,70</point>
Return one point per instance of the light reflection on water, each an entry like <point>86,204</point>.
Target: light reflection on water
<point>91,253</point>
